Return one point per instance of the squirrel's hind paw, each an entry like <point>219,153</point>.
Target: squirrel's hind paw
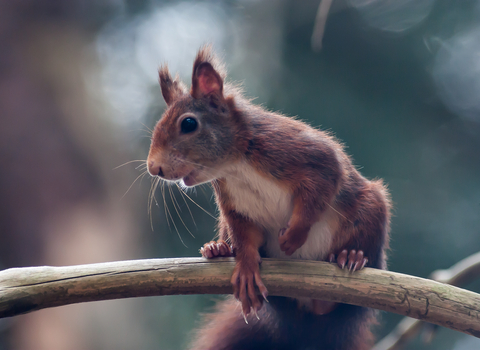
<point>353,260</point>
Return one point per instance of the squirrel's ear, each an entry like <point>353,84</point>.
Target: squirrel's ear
<point>206,81</point>
<point>207,77</point>
<point>171,89</point>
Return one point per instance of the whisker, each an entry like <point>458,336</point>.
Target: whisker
<point>203,190</point>
<point>202,187</point>
<point>154,190</point>
<point>211,187</point>
<point>144,173</point>
<point>174,200</point>
<point>138,160</point>
<point>173,222</point>
<point>156,203</point>
<point>186,203</point>
<point>175,205</point>
<point>336,211</point>
<point>149,207</point>
<point>153,181</point>
<point>216,186</point>
<point>151,198</point>
<point>148,129</point>
<point>141,175</point>
<point>162,190</point>
<point>197,204</point>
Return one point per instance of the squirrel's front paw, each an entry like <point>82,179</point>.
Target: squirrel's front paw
<point>246,276</point>
<point>292,238</point>
<point>355,260</point>
<point>216,249</point>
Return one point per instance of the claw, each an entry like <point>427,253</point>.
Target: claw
<point>365,261</point>
<point>256,314</point>
<point>246,276</point>
<point>342,258</point>
<point>244,317</point>
<point>353,260</point>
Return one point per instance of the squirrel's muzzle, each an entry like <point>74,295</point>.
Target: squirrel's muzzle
<point>154,169</point>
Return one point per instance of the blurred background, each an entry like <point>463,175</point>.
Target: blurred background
<point>397,80</point>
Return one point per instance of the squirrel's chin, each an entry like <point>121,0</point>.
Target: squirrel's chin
<point>189,181</point>
<point>194,178</point>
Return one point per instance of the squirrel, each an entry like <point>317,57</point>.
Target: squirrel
<point>284,190</point>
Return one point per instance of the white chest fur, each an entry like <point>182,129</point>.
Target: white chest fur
<point>270,207</point>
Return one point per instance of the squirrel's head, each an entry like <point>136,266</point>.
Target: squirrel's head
<point>195,137</point>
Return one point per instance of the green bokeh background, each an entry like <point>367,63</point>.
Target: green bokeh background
<point>378,91</point>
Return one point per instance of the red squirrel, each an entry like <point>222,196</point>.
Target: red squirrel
<point>283,190</point>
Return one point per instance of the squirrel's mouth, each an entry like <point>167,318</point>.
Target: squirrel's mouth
<point>190,179</point>
<point>196,177</point>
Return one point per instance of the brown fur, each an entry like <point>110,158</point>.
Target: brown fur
<point>308,165</point>
<point>172,90</point>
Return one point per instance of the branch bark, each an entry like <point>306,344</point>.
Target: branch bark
<point>24,290</point>
<point>465,271</point>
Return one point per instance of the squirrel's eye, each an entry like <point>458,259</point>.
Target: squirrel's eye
<point>188,125</point>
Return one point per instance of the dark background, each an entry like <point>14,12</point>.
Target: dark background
<point>398,81</point>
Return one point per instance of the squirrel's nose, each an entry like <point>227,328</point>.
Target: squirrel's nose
<point>154,169</point>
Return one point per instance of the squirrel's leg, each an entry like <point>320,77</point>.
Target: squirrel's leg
<point>247,238</point>
<point>367,235</point>
<point>303,217</point>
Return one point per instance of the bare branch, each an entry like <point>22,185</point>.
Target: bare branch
<point>461,273</point>
<point>27,289</point>
<point>320,23</point>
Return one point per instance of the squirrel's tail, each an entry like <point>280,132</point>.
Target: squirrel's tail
<point>283,326</point>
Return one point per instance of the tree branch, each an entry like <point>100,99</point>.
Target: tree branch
<point>462,272</point>
<point>24,290</point>
<point>320,23</point>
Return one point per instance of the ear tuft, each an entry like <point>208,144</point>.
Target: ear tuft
<point>171,89</point>
<point>208,74</point>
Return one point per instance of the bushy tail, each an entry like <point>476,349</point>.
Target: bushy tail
<point>283,326</point>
